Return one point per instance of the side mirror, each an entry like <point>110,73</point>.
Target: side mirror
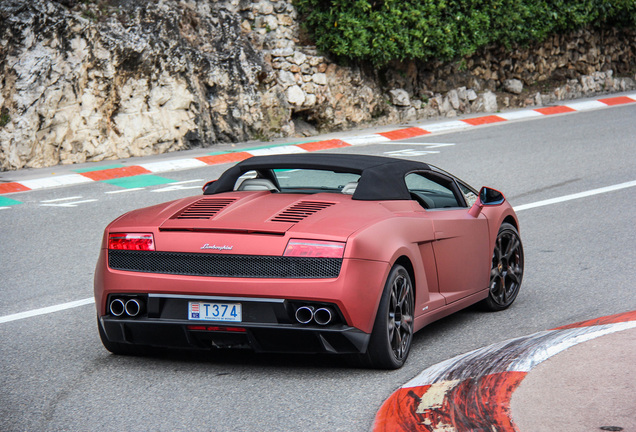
<point>207,185</point>
<point>487,197</point>
<point>490,197</point>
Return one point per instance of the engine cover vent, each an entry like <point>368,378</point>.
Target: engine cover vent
<point>300,211</point>
<point>205,208</point>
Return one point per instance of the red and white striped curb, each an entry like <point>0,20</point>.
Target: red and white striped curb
<point>473,391</point>
<point>230,157</point>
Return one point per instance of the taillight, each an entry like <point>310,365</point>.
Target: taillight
<point>314,249</point>
<point>131,241</point>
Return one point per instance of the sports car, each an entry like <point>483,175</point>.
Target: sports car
<point>307,253</point>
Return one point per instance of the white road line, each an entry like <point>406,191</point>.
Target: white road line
<point>69,204</point>
<point>61,199</point>
<point>78,303</point>
<point>124,190</point>
<point>187,181</point>
<point>46,310</point>
<point>576,196</point>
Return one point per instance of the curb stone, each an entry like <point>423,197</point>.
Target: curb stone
<point>106,173</point>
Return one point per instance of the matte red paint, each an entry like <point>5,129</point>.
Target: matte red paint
<point>377,234</point>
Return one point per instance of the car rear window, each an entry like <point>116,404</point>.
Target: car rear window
<point>291,180</point>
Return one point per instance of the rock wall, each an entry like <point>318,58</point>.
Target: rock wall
<point>88,81</point>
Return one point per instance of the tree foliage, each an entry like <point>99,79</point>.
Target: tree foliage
<point>383,30</point>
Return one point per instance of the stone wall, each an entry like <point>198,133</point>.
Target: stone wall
<point>88,81</point>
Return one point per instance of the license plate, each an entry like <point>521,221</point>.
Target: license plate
<point>205,311</point>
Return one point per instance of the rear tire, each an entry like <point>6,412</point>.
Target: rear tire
<point>506,271</point>
<point>392,335</point>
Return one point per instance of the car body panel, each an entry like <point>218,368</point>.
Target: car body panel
<point>446,251</point>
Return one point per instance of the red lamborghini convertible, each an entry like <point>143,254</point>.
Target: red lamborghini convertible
<point>310,253</point>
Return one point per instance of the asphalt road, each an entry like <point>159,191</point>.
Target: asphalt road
<point>580,257</point>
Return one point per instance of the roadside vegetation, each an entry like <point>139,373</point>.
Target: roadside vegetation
<point>379,31</point>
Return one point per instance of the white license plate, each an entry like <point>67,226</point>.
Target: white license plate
<point>207,311</point>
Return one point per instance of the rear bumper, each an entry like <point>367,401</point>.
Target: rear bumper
<point>355,292</point>
<point>258,337</point>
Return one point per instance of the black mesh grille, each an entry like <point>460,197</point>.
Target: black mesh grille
<point>246,266</point>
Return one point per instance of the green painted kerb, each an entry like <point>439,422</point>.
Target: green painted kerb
<point>4,201</point>
<point>139,181</point>
<point>99,168</point>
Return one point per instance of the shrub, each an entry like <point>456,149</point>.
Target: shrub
<point>383,30</point>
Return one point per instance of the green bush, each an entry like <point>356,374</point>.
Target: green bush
<point>380,31</point>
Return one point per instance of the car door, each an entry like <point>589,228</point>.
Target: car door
<point>461,246</point>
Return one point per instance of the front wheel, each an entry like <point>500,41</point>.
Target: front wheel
<point>392,334</point>
<point>506,270</point>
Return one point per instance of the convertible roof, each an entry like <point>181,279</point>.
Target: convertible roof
<point>381,178</point>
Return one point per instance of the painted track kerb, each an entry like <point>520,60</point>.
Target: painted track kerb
<point>78,303</point>
<point>236,156</point>
<point>473,391</point>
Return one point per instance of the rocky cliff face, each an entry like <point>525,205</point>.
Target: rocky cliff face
<point>106,79</point>
<point>81,84</point>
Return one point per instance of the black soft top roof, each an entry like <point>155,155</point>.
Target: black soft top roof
<point>381,178</point>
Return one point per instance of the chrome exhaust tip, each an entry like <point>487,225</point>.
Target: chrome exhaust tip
<point>117,307</point>
<point>304,314</point>
<point>323,316</point>
<point>133,307</point>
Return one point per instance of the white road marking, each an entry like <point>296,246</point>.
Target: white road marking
<point>175,187</point>
<point>518,115</point>
<point>365,139</point>
<point>69,204</point>
<point>61,199</point>
<point>78,303</point>
<point>286,149</point>
<point>64,180</point>
<point>445,126</point>
<point>124,190</point>
<point>576,196</point>
<point>187,181</point>
<point>46,310</point>
<point>429,145</point>
<point>179,186</point>
<point>410,152</point>
<point>413,152</point>
<point>173,165</point>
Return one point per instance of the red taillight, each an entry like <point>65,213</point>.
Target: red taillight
<point>131,241</point>
<point>314,249</point>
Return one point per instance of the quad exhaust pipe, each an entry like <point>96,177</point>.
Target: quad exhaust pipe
<point>117,307</point>
<point>305,314</point>
<point>132,307</point>
<point>321,316</point>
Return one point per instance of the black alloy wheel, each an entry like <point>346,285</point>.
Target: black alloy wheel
<point>506,272</point>
<point>392,334</point>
